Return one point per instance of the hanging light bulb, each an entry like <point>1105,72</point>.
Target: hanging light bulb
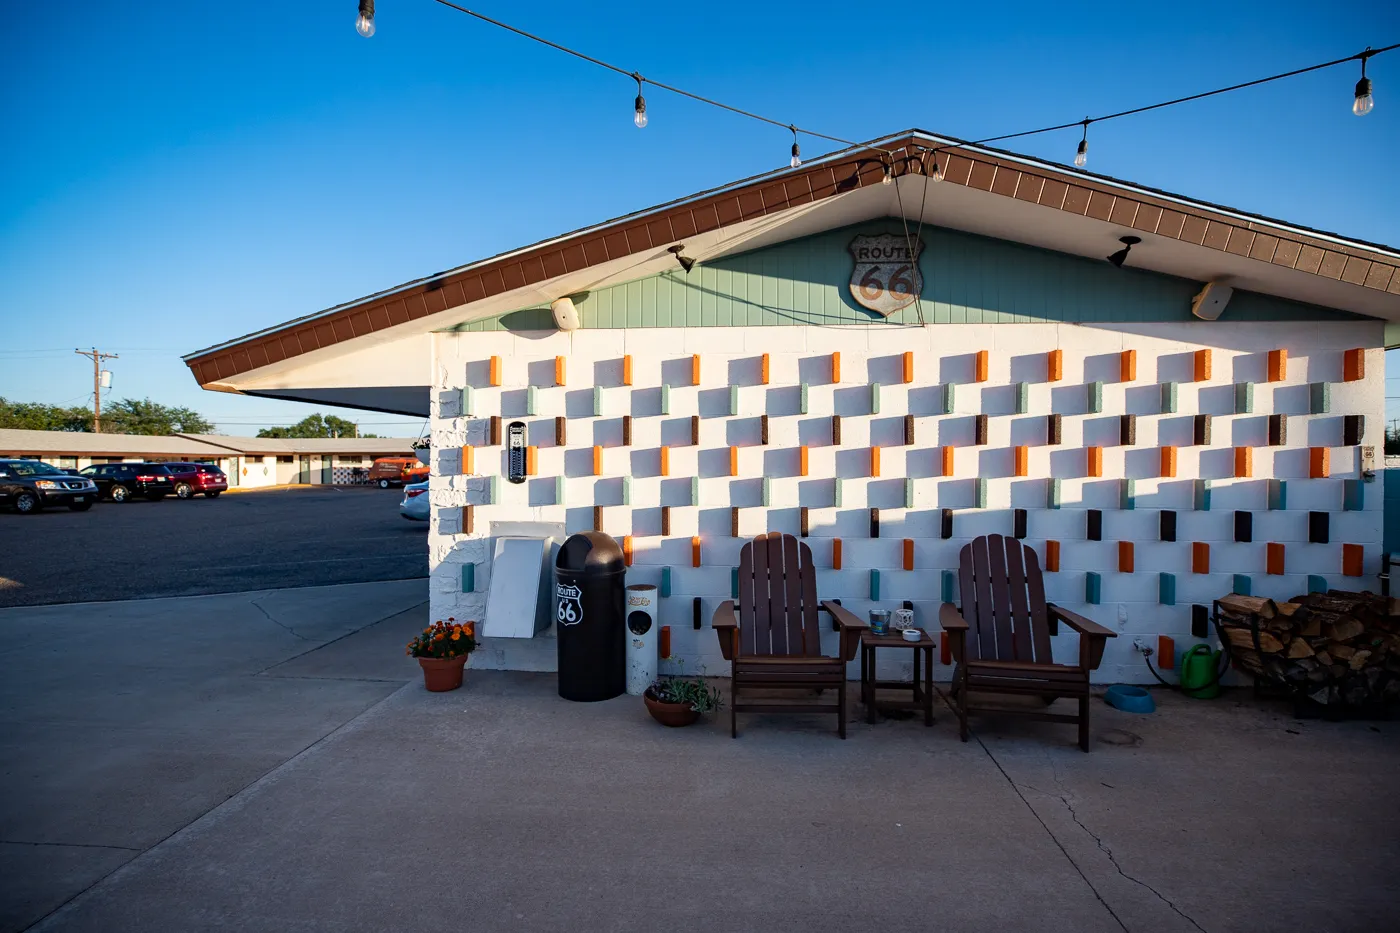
<point>796,149</point>
<point>639,107</point>
<point>889,174</point>
<point>364,25</point>
<point>1082,155</point>
<point>937,173</point>
<point>1364,101</point>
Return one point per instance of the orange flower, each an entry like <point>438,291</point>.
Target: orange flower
<point>437,637</point>
<point>456,636</point>
<point>469,628</point>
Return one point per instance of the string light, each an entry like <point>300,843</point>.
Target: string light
<point>639,107</point>
<point>1363,101</point>
<point>364,25</point>
<point>932,156</point>
<point>1082,155</point>
<point>889,174</point>
<point>796,159</point>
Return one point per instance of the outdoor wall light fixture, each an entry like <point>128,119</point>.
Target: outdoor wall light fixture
<point>639,107</point>
<point>678,251</point>
<point>1128,243</point>
<point>1364,101</point>
<point>364,25</point>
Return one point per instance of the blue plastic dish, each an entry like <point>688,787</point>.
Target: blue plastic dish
<point>1130,699</point>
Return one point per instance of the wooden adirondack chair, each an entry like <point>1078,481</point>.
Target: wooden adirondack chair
<point>775,642</point>
<point>1001,638</point>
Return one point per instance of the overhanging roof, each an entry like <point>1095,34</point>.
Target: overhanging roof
<point>986,191</point>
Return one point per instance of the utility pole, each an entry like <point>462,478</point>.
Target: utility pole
<point>97,359</point>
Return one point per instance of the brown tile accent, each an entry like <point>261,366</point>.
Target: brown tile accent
<point>1170,224</point>
<point>1076,200</point>
<point>1100,205</point>
<point>1193,229</point>
<point>1028,189</point>
<point>1355,270</point>
<point>1379,276</point>
<point>1052,193</point>
<point>1309,259</point>
<point>983,174</point>
<point>1004,182</point>
<point>1148,216</point>
<point>1332,265</point>
<point>1240,241</point>
<point>1124,212</point>
<point>1217,235</point>
<point>1263,248</point>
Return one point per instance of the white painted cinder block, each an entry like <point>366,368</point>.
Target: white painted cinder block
<point>942,354</point>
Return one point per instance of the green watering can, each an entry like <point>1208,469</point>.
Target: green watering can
<point>1199,677</point>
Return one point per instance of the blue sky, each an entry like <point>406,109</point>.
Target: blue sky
<point>176,174</point>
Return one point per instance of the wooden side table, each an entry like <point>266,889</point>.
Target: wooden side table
<point>921,688</point>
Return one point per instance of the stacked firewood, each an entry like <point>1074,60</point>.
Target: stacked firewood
<point>1338,649</point>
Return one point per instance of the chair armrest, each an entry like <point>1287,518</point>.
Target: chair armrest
<point>726,626</point>
<point>1092,636</point>
<point>848,624</point>
<point>950,619</point>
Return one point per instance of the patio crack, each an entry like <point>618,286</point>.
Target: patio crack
<point>1064,798</point>
<point>287,628</point>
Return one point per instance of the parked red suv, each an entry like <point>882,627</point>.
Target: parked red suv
<point>191,479</point>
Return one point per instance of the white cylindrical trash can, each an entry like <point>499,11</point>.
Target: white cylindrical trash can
<point>641,637</point>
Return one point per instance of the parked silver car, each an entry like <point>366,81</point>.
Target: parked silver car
<point>414,506</point>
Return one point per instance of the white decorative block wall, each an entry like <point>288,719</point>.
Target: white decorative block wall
<point>943,354</point>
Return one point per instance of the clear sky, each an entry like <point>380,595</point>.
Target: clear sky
<point>176,174</point>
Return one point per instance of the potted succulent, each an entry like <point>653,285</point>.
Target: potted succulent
<point>674,700</point>
<point>442,650</point>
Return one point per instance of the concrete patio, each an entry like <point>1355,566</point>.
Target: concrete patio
<point>268,761</point>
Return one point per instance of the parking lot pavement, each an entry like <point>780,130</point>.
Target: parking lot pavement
<point>303,536</point>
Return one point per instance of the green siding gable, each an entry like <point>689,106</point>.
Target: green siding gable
<point>968,279</point>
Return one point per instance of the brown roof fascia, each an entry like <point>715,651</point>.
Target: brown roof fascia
<point>1068,191</point>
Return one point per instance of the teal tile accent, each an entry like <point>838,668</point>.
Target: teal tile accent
<point>665,399</point>
<point>908,493</point>
<point>874,398</point>
<point>1094,401</point>
<point>695,490</point>
<point>733,400</point>
<point>1317,584</point>
<point>1243,585</point>
<point>665,588</point>
<point>531,403</point>
<point>947,398</point>
<point>466,402</point>
<point>802,399</point>
<point>597,401</point>
<point>1278,495</point>
<point>469,578</point>
<point>1353,495</point>
<point>734,583</point>
<point>968,279</point>
<point>1319,398</point>
<point>875,585</point>
<point>1127,494</point>
<point>1052,493</point>
<point>1244,398</point>
<point>767,490</point>
<point>1166,589</point>
<point>979,494</point>
<point>950,586</point>
<point>493,491</point>
<point>558,490</point>
<point>1093,588</point>
<point>1200,495</point>
<point>1169,398</point>
<point>836,492</point>
<point>627,491</point>
<point>1023,398</point>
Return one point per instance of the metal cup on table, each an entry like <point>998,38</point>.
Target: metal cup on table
<point>879,621</point>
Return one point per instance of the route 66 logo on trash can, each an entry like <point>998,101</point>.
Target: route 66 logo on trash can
<point>570,604</point>
<point>886,278</point>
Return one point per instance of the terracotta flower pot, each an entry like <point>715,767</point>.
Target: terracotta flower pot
<point>670,714</point>
<point>442,674</point>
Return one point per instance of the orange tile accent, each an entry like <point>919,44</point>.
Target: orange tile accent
<point>945,649</point>
<point>1202,365</point>
<point>1319,462</point>
<point>1052,557</point>
<point>836,367</point>
<point>802,460</point>
<point>695,551</point>
<point>665,461</point>
<point>1273,562</point>
<point>874,461</point>
<point>1125,557</point>
<point>627,550</point>
<point>981,367</point>
<point>495,371</point>
<point>597,461</point>
<point>763,370</point>
<point>835,553</point>
<point>1353,556</point>
<point>1093,461</point>
<point>627,370</point>
<point>695,370</point>
<point>1244,462</point>
<point>1022,460</point>
<point>1127,366</point>
<point>734,461</point>
<point>467,458</point>
<point>1278,365</point>
<point>559,370</point>
<point>947,458</point>
<point>1055,365</point>
<point>908,553</point>
<point>908,366</point>
<point>1168,462</point>
<point>1354,365</point>
<point>532,465</point>
<point>1200,557</point>
<point>1166,652</point>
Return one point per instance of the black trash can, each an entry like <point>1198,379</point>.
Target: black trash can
<point>589,611</point>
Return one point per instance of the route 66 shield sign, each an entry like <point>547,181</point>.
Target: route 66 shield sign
<point>886,277</point>
<point>570,606</point>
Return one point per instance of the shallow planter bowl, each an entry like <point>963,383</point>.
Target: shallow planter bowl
<point>670,714</point>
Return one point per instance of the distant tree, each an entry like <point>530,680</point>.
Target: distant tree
<point>317,425</point>
<point>36,416</point>
<point>1392,441</point>
<point>143,416</point>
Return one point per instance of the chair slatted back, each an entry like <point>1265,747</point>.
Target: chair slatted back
<point>778,598</point>
<point>1003,598</point>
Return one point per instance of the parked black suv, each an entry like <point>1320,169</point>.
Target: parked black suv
<point>29,485</point>
<point>121,481</point>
